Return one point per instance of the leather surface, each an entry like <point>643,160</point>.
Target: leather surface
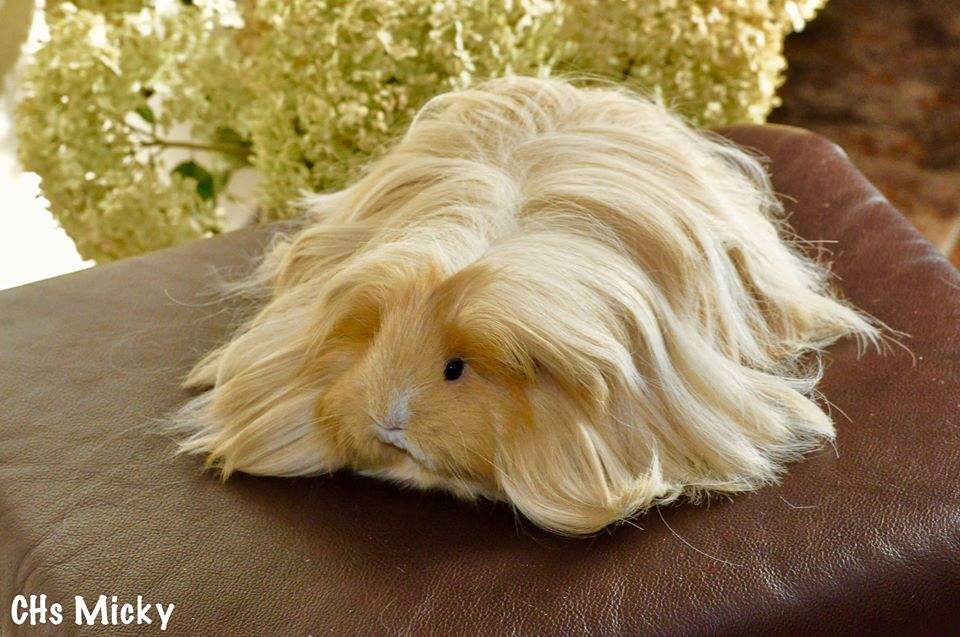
<point>864,538</point>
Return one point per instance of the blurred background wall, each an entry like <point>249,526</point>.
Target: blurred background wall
<point>882,78</point>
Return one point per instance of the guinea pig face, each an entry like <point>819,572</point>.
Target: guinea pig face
<point>414,400</point>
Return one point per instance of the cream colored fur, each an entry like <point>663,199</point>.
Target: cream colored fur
<point>635,321</point>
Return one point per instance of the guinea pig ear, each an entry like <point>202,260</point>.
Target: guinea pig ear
<point>569,475</point>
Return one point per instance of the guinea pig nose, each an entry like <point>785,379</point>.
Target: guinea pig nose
<point>398,412</point>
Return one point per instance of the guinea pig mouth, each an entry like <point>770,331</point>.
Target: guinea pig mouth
<point>398,439</point>
<point>390,435</point>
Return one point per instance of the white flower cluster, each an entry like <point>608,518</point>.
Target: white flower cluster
<point>306,91</point>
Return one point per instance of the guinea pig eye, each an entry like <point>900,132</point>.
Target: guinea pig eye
<point>453,369</point>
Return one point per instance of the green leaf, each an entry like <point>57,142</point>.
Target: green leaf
<point>227,135</point>
<point>205,186</point>
<point>147,114</point>
<point>221,178</point>
<point>229,138</point>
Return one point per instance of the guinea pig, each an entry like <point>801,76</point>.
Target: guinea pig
<point>558,296</point>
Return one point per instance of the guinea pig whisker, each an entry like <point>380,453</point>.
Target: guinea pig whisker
<point>321,421</point>
<point>376,421</point>
<point>468,449</point>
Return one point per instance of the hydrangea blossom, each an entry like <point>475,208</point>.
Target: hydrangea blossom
<point>136,112</point>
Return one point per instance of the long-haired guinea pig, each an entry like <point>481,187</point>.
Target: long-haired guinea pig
<point>560,297</point>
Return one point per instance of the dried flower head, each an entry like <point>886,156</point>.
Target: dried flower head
<point>137,112</point>
<point>337,80</point>
<point>716,62</point>
<point>99,100</point>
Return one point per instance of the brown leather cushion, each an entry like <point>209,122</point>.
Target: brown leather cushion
<point>863,538</point>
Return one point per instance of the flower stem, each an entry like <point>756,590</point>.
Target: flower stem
<point>228,149</point>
